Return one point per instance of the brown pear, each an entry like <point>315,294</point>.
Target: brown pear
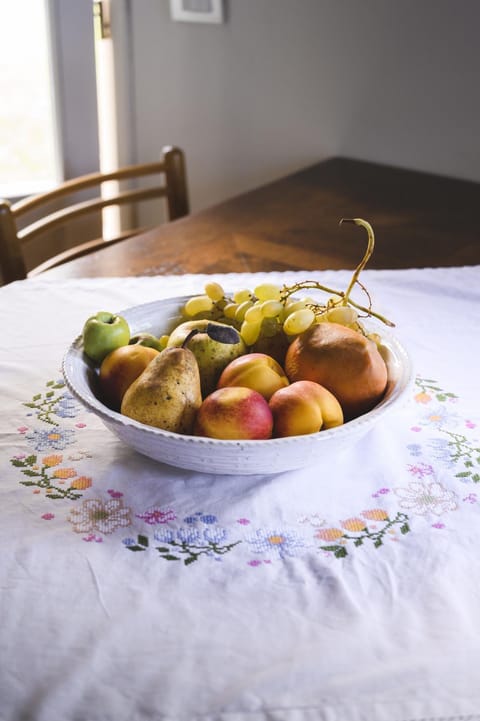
<point>167,394</point>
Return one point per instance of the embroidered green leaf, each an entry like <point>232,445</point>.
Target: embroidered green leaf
<point>358,542</point>
<point>378,542</point>
<point>143,540</point>
<point>189,560</point>
<point>169,557</point>
<point>162,549</point>
<point>337,550</point>
<point>405,528</point>
<point>135,548</point>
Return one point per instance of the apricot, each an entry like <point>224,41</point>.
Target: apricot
<point>120,368</point>
<point>342,360</point>
<point>304,407</point>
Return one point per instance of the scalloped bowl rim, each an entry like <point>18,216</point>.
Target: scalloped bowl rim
<point>75,362</point>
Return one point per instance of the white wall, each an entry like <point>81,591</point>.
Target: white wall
<point>284,83</point>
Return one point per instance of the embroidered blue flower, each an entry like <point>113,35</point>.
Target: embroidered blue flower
<point>441,451</point>
<point>128,541</point>
<point>164,535</point>
<point>206,518</point>
<point>55,439</point>
<point>66,406</point>
<point>189,535</point>
<point>415,449</point>
<point>215,534</point>
<point>282,543</point>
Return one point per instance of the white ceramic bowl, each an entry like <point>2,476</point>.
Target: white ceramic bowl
<point>228,457</point>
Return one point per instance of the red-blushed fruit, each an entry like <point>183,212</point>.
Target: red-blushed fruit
<point>120,368</point>
<point>347,363</point>
<point>234,413</point>
<point>304,407</point>
<point>257,371</point>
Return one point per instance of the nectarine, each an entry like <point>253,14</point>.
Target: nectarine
<point>234,413</point>
<point>343,360</point>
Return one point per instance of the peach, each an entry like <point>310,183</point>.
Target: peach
<point>234,413</point>
<point>120,368</point>
<point>343,360</point>
<point>257,371</point>
<point>304,407</point>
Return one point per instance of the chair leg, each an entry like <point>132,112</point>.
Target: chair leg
<point>12,264</point>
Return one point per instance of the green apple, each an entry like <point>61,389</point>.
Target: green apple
<point>146,339</point>
<point>104,332</point>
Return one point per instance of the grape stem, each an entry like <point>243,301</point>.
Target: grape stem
<point>345,296</point>
<point>366,257</point>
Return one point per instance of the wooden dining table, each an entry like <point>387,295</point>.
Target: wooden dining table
<point>419,219</point>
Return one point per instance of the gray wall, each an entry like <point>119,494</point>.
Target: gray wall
<point>284,83</point>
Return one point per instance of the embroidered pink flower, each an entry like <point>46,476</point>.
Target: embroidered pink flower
<point>48,516</point>
<point>152,516</point>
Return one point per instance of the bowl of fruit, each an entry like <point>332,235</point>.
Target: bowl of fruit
<point>247,381</point>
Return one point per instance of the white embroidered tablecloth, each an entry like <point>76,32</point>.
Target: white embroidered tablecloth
<point>131,590</point>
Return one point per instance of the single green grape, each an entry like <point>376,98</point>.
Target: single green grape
<point>198,304</point>
<point>272,308</point>
<point>267,291</point>
<point>254,313</point>
<point>240,296</point>
<point>270,327</point>
<point>298,321</point>
<point>242,309</point>
<point>230,310</point>
<point>342,314</point>
<point>294,306</point>
<point>214,291</point>
<point>250,331</point>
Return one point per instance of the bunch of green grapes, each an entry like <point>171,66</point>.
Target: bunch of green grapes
<point>269,310</point>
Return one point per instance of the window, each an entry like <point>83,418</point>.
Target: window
<point>29,159</point>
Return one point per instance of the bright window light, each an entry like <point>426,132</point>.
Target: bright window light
<point>28,145</point>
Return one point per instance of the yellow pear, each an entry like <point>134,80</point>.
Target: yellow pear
<point>167,394</point>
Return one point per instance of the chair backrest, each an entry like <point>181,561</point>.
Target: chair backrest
<point>13,237</point>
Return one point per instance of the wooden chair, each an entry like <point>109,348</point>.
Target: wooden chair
<point>13,238</point>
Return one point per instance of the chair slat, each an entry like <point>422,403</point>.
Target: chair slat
<point>59,217</point>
